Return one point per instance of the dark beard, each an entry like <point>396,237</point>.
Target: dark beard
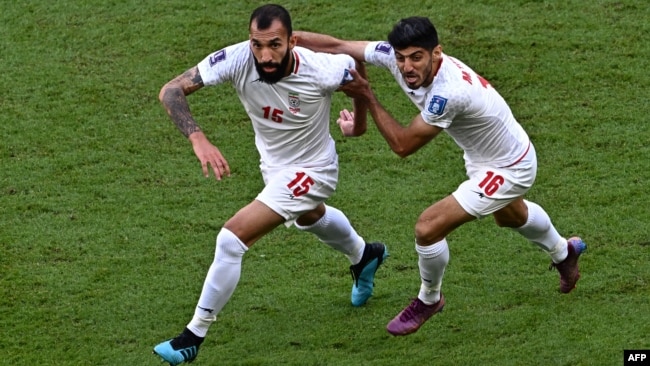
<point>278,74</point>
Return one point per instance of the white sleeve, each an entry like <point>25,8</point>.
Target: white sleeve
<point>380,53</point>
<point>347,63</point>
<point>224,65</point>
<point>436,112</point>
<point>335,70</point>
<point>444,105</point>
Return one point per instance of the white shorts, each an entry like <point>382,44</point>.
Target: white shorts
<point>490,189</point>
<point>293,191</point>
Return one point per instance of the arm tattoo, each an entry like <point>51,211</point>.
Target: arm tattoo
<point>173,97</point>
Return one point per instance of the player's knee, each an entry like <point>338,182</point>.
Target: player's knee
<point>229,245</point>
<point>426,232</point>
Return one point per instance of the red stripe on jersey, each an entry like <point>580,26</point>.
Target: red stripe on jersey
<point>438,69</point>
<point>520,158</point>
<point>297,63</point>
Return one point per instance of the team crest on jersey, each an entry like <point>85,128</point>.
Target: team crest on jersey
<point>437,105</point>
<point>294,103</point>
<point>383,47</point>
<point>217,57</point>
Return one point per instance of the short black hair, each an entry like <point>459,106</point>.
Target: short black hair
<point>266,14</point>
<point>413,32</point>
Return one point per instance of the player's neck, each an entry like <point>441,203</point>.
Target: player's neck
<point>434,72</point>
<point>291,64</point>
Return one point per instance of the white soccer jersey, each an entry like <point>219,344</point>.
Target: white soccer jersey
<point>470,110</point>
<point>291,117</point>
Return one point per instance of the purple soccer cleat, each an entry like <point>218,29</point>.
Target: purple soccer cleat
<point>568,268</point>
<point>413,316</point>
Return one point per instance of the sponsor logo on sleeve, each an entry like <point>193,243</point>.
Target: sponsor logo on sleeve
<point>383,47</point>
<point>217,57</point>
<point>437,105</point>
<point>347,77</point>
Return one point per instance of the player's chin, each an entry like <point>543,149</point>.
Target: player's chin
<point>413,85</point>
<point>413,82</point>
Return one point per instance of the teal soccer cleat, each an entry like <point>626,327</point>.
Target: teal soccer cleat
<point>183,348</point>
<point>363,273</point>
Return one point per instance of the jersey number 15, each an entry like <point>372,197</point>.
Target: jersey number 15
<point>274,115</point>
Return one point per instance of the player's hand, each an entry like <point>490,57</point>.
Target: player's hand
<point>209,155</point>
<point>346,123</point>
<point>358,87</point>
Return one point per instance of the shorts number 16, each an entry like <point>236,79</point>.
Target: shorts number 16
<point>491,183</point>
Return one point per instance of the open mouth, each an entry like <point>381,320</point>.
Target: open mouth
<point>410,79</point>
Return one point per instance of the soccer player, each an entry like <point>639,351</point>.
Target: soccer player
<point>286,91</point>
<point>500,159</point>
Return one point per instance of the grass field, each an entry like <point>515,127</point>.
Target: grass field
<point>107,225</point>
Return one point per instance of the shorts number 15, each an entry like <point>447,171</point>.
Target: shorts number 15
<point>300,184</point>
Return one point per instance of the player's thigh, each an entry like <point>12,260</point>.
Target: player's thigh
<point>253,221</point>
<point>440,219</point>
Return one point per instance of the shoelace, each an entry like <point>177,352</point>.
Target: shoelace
<point>354,278</point>
<point>412,310</point>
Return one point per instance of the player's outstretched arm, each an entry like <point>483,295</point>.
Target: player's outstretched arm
<point>404,141</point>
<point>360,106</point>
<point>173,98</point>
<point>355,123</point>
<point>325,43</point>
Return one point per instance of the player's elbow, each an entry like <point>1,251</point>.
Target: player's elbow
<point>402,151</point>
<point>169,92</point>
<point>163,92</point>
<point>405,145</point>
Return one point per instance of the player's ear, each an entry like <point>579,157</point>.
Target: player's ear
<point>437,51</point>
<point>293,40</point>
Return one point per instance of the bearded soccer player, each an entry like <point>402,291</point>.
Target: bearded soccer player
<point>286,91</point>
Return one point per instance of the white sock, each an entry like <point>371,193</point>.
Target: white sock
<point>539,230</point>
<point>432,261</point>
<point>335,230</point>
<point>220,282</point>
